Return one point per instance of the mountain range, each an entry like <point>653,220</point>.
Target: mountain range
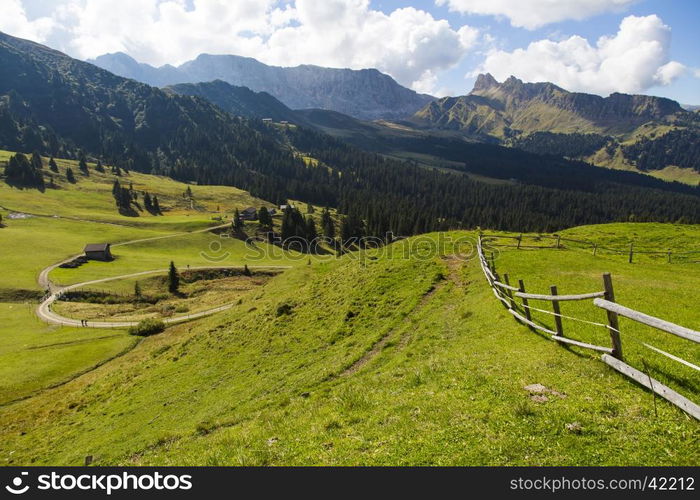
<point>55,105</point>
<point>366,94</point>
<point>623,131</point>
<point>513,107</point>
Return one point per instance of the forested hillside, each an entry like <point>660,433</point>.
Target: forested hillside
<point>67,108</point>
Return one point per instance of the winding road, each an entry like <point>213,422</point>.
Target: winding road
<point>45,313</point>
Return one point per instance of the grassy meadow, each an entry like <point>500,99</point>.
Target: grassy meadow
<point>650,285</point>
<point>394,359</point>
<point>59,224</point>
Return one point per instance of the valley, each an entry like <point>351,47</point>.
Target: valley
<point>231,263</point>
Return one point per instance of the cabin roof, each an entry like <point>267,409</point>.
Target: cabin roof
<point>96,247</point>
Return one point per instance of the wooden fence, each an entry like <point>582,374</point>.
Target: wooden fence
<point>517,301</point>
<point>557,241</point>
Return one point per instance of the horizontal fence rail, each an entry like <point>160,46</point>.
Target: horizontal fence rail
<point>507,294</point>
<point>645,319</point>
<point>557,240</point>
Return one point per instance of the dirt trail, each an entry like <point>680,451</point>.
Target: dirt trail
<point>454,264</point>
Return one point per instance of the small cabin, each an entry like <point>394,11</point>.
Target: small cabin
<point>98,251</point>
<point>250,213</point>
<point>267,120</point>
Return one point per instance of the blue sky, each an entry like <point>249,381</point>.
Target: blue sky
<point>682,16</point>
<point>435,46</point>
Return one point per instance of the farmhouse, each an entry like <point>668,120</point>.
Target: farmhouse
<point>98,251</point>
<point>250,213</point>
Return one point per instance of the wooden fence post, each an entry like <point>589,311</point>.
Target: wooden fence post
<point>612,318</point>
<point>557,312</point>
<point>520,240</point>
<point>669,256</point>
<point>509,292</point>
<point>521,285</point>
<point>631,252</point>
<point>595,249</point>
<point>559,241</point>
<point>493,262</point>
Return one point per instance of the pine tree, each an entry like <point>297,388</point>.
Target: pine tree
<point>36,161</point>
<point>309,208</point>
<point>173,279</point>
<point>156,206</point>
<point>327,224</point>
<point>99,167</point>
<point>52,165</point>
<point>237,223</point>
<point>264,218</point>
<point>137,291</point>
<point>21,172</point>
<point>311,233</point>
<point>147,202</point>
<point>70,177</point>
<point>83,166</point>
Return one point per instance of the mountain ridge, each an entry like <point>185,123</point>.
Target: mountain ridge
<point>366,93</point>
<point>503,107</point>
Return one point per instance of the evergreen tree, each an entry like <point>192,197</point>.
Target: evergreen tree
<point>309,208</point>
<point>36,161</point>
<point>327,223</point>
<point>137,291</point>
<point>147,202</point>
<point>52,165</point>
<point>173,279</point>
<point>156,206</point>
<point>237,222</point>
<point>83,166</point>
<point>99,167</point>
<point>20,172</point>
<point>70,176</point>
<point>311,233</point>
<point>264,218</point>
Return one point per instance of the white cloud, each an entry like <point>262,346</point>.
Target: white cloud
<point>633,60</point>
<point>14,20</point>
<point>532,14</point>
<point>409,44</point>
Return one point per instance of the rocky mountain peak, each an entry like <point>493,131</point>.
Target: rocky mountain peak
<point>484,81</point>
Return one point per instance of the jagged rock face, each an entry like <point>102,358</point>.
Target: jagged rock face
<point>494,108</point>
<point>366,94</point>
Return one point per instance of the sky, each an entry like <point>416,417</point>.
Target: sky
<point>432,46</point>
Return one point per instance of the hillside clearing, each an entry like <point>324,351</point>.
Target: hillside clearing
<point>259,384</point>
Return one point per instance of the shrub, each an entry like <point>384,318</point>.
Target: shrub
<point>147,327</point>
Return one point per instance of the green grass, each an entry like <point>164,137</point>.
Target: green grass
<point>29,245</point>
<point>91,198</point>
<point>666,290</point>
<point>264,383</point>
<point>34,355</point>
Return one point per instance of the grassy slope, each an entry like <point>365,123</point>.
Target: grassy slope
<point>649,285</point>
<point>259,386</point>
<point>87,214</point>
<point>91,198</point>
